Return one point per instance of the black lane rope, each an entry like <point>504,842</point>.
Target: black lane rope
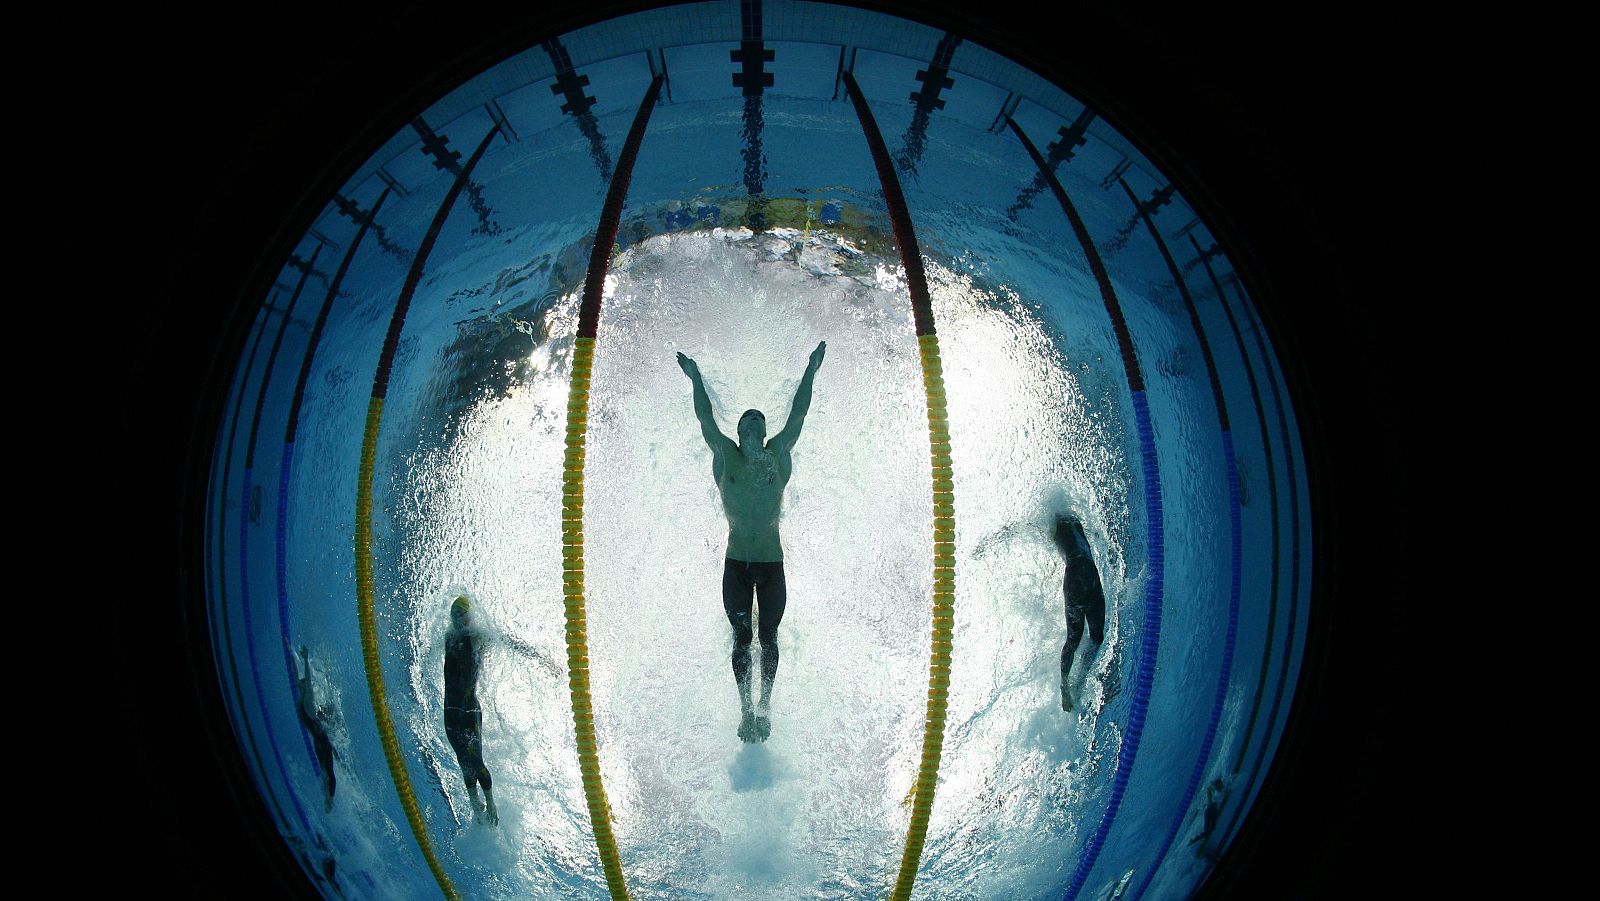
<point>363,539</point>
<point>1150,640</point>
<point>217,543</point>
<point>366,220</point>
<point>1272,478</point>
<point>605,239</point>
<point>225,622</point>
<point>944,528</point>
<point>221,455</point>
<point>1236,546</point>
<point>245,505</point>
<point>1294,554</point>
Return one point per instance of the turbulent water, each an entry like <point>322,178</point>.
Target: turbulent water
<point>818,810</point>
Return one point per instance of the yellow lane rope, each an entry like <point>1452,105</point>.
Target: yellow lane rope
<point>944,606</point>
<point>594,791</point>
<point>369,650</point>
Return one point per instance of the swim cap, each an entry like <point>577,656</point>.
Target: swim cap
<point>461,605</point>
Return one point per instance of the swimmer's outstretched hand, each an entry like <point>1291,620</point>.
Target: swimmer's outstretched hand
<point>688,365</point>
<point>817,355</point>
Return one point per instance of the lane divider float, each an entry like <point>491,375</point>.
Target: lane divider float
<point>363,543</point>
<point>289,434</point>
<point>1154,586</point>
<point>246,500</point>
<point>944,513</point>
<point>583,349</point>
<point>1236,548</point>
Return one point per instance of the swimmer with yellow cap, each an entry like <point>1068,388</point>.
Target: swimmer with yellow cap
<point>463,716</point>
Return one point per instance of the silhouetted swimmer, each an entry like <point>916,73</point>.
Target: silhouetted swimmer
<point>313,717</point>
<point>751,476</point>
<point>1085,600</point>
<point>1216,796</point>
<point>463,717</point>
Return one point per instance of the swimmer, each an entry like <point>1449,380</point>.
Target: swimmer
<point>751,476</point>
<point>463,718</point>
<point>1085,601</point>
<point>313,717</point>
<point>1216,796</point>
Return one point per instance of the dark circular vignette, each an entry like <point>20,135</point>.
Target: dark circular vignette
<point>242,131</point>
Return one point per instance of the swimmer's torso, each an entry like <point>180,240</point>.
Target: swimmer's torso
<point>1082,580</point>
<point>461,663</point>
<point>752,499</point>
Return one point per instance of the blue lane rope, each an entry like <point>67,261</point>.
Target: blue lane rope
<point>1154,585</point>
<point>244,542</point>
<point>1236,534</point>
<point>224,634</point>
<point>1204,757</point>
<point>1294,555</point>
<point>281,538</point>
<point>281,555</point>
<point>215,532</point>
<point>1148,646</point>
<point>250,644</point>
<point>1272,479</point>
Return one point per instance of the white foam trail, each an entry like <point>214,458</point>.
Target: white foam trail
<point>817,811</point>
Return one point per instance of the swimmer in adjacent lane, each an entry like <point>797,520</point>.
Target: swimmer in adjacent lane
<point>314,718</point>
<point>1083,596</point>
<point>463,716</point>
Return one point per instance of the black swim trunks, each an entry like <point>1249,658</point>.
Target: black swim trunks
<point>464,728</point>
<point>765,580</point>
<point>463,717</point>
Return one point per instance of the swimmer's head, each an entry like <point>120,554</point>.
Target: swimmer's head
<point>752,427</point>
<point>1069,532</point>
<point>461,611</point>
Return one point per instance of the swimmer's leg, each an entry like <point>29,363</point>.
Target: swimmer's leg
<point>773,593</point>
<point>465,732</point>
<point>1095,613</point>
<point>1074,635</point>
<point>737,589</point>
<point>490,814</point>
<point>324,749</point>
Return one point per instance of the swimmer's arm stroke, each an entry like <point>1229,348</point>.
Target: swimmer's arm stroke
<point>719,443</point>
<point>530,652</point>
<point>308,700</point>
<point>784,440</point>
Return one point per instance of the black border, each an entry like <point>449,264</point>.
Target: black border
<point>1286,127</point>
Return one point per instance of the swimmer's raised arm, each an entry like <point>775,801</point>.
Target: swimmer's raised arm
<point>718,442</point>
<point>785,439</point>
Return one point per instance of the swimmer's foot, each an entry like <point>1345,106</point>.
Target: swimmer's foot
<point>1066,699</point>
<point>747,726</point>
<point>763,727</point>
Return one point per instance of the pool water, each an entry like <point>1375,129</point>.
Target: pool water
<point>1032,801</point>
